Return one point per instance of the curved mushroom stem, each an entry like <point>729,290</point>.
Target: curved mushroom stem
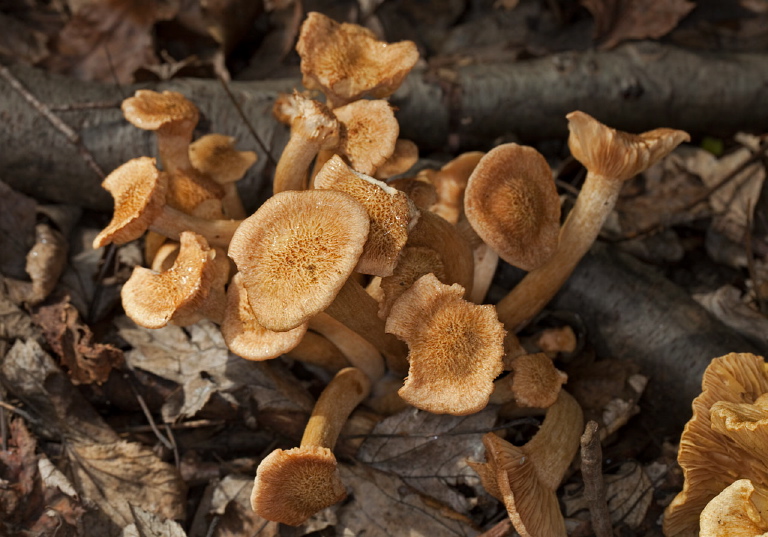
<point>171,222</point>
<point>346,390</point>
<point>292,168</point>
<point>360,353</point>
<point>581,228</point>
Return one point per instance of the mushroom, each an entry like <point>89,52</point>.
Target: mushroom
<point>391,214</point>
<point>293,485</point>
<point>611,157</point>
<point>455,347</point>
<point>740,510</point>
<point>313,128</point>
<point>415,262</point>
<point>725,440</point>
<point>512,203</point>
<point>346,61</point>
<point>191,289</point>
<point>451,182</point>
<point>215,156</point>
<point>360,353</point>
<point>139,190</point>
<point>525,478</point>
<point>533,382</point>
<point>406,154</point>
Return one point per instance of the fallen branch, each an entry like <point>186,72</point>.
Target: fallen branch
<point>635,87</point>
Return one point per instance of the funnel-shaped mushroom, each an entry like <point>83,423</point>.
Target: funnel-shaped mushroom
<point>293,485</point>
<point>725,440</point>
<point>455,347</point>
<point>296,252</point>
<point>346,62</point>
<point>525,478</point>
<point>611,157</point>
<point>139,190</point>
<point>191,289</point>
<point>740,510</point>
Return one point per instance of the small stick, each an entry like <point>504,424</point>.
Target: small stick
<point>93,105</point>
<point>54,120</point>
<point>594,487</point>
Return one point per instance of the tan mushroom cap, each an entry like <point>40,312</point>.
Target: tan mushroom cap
<point>455,347</point>
<point>421,191</point>
<point>245,337</point>
<point>525,478</point>
<point>296,252</point>
<point>512,203</point>
<point>725,439</point>
<point>392,214</point>
<point>405,156</point>
<point>139,190</point>
<point>740,510</point>
<point>534,382</point>
<point>154,299</point>
<point>193,193</point>
<point>345,61</point>
<point>369,134</point>
<point>451,182</point>
<point>215,155</point>
<point>150,110</point>
<point>293,485</point>
<point>415,262</point>
<point>615,154</point>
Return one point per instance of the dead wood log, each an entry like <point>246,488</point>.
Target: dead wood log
<point>633,312</point>
<point>634,87</point>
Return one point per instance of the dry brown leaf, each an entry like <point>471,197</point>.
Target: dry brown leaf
<point>429,452</point>
<point>14,322</point>
<point>72,340</point>
<point>382,505</point>
<point>148,524</point>
<point>108,40</point>
<point>17,231</point>
<point>621,20</point>
<point>231,503</point>
<point>726,304</point>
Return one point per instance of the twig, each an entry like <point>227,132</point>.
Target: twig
<point>594,487</point>
<point>167,443</point>
<point>110,257</point>
<point>3,426</point>
<point>749,252</point>
<point>658,226</point>
<point>172,439</point>
<point>54,120</point>
<point>24,414</point>
<point>194,424</point>
<point>73,107</point>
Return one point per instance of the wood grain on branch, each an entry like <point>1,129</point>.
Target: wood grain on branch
<point>635,87</point>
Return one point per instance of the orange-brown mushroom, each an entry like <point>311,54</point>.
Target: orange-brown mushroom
<point>740,510</point>
<point>293,485</point>
<point>533,382</point>
<point>611,157</point>
<point>455,347</point>
<point>346,62</point>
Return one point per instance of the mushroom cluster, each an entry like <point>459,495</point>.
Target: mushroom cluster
<point>377,277</point>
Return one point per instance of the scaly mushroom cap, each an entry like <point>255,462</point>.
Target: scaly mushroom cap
<point>740,510</point>
<point>405,156</point>
<point>455,347</point>
<point>309,119</point>
<point>154,299</point>
<point>296,252</point>
<point>512,203</point>
<point>415,262</point>
<point>369,135</point>
<point>139,190</point>
<point>616,154</point>
<point>193,193</point>
<point>420,190</point>
<point>536,381</point>
<point>526,478</point>
<point>150,110</point>
<point>392,214</point>
<point>726,439</point>
<point>293,485</point>
<point>346,62</point>
<point>215,155</point>
<point>243,334</point>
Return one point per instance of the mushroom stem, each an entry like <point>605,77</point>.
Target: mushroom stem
<point>337,401</point>
<point>171,222</point>
<point>173,147</point>
<point>359,351</point>
<point>292,168</point>
<point>581,228</point>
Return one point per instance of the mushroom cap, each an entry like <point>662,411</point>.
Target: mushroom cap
<point>139,190</point>
<point>309,119</point>
<point>346,61</point>
<point>391,213</point>
<point>512,203</point>
<point>536,381</point>
<point>415,262</point>
<point>293,485</point>
<point>615,154</point>
<point>194,193</point>
<point>296,252</point>
<point>740,510</point>
<point>150,110</point>
<point>405,156</point>
<point>154,299</point>
<point>420,190</point>
<point>455,347</point>
<point>215,155</point>
<point>369,135</point>
<point>527,477</point>
<point>450,183</point>
<point>725,439</point>
<point>243,334</point>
